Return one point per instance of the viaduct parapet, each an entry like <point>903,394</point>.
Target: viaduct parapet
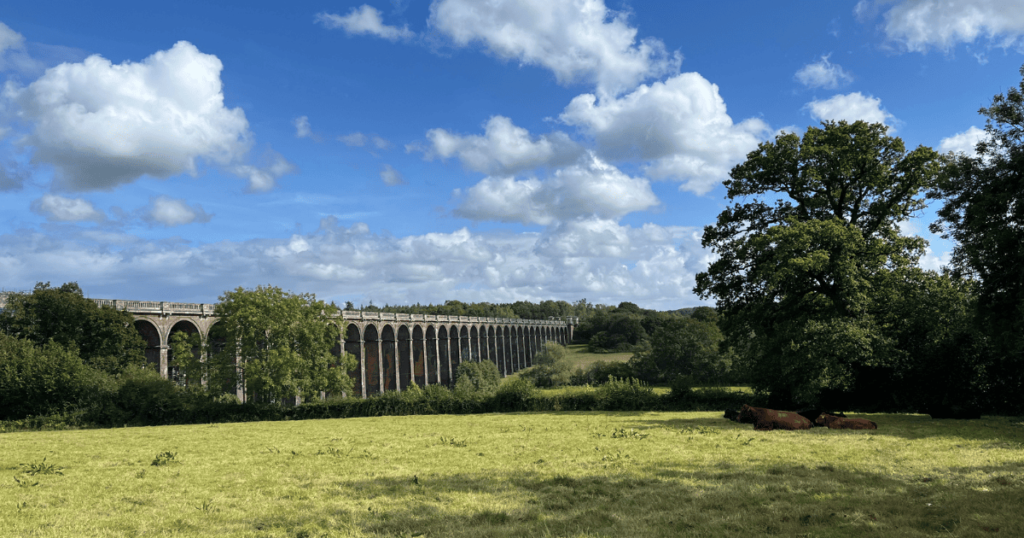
<point>394,350</point>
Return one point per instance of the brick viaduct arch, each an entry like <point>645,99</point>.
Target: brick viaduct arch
<point>393,350</point>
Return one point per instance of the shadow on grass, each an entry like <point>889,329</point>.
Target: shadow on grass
<point>747,500</point>
<point>991,428</point>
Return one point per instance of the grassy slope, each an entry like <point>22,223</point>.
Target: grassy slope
<point>583,358</point>
<point>550,474</point>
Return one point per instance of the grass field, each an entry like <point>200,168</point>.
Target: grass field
<point>583,358</point>
<point>540,474</point>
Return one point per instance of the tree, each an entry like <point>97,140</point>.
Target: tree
<point>804,247</point>
<point>184,347</point>
<point>283,344</point>
<point>477,378</point>
<point>39,380</point>
<point>103,337</point>
<point>682,347</point>
<point>551,367</point>
<point>983,213</point>
<point>941,359</point>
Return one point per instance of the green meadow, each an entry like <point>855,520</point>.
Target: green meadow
<point>530,474</point>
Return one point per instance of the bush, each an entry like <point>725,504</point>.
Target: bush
<point>43,380</point>
<point>682,388</point>
<point>626,395</point>
<point>599,372</point>
<point>477,378</point>
<point>551,367</point>
<point>514,395</point>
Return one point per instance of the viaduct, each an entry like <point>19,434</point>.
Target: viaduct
<point>393,350</point>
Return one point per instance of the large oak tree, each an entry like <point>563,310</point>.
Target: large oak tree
<point>807,251</point>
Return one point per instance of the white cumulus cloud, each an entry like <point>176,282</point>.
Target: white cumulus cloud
<point>823,74</point>
<point>651,265</point>
<point>588,188</point>
<point>102,125</point>
<point>390,176</point>
<point>364,19</point>
<point>578,40</point>
<point>680,125</point>
<point>360,140</point>
<point>264,176</point>
<point>920,24</point>
<point>504,148</point>
<point>175,212</point>
<point>850,107</point>
<point>962,142</point>
<point>60,209</point>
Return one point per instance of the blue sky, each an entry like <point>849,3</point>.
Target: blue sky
<point>413,151</point>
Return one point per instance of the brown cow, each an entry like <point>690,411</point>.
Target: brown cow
<point>771,419</point>
<point>839,423</point>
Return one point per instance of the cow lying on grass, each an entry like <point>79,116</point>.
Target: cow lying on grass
<point>810,414</point>
<point>813,414</point>
<point>771,419</point>
<point>833,422</point>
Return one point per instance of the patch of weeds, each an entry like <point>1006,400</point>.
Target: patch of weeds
<point>141,473</point>
<point>25,483</point>
<point>165,458</point>
<point>330,451</point>
<point>42,468</point>
<point>206,506</point>
<point>617,457</point>
<point>451,441</point>
<point>623,433</point>
<point>698,430</point>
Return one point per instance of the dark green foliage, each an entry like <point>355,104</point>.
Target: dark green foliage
<point>551,367</point>
<point>599,372</point>
<point>477,378</point>
<point>514,395</point>
<point>806,250</point>
<point>683,346</point>
<point>626,395</point>
<point>681,388</point>
<point>983,213</point>
<point>104,338</point>
<point>43,380</point>
<point>142,398</point>
<point>165,458</point>
<point>940,358</point>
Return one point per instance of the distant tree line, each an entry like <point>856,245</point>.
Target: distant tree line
<point>516,310</point>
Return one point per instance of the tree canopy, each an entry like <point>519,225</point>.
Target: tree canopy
<point>282,343</point>
<point>103,337</point>
<point>805,248</point>
<point>983,213</point>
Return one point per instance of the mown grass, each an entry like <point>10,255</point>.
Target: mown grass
<point>536,474</point>
<point>582,358</point>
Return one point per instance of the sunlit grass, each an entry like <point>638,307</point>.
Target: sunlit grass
<point>578,354</point>
<point>542,474</point>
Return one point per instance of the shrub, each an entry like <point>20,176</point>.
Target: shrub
<point>682,388</point>
<point>599,372</point>
<point>142,398</point>
<point>514,395</point>
<point>477,377</point>
<point>626,395</point>
<point>551,367</point>
<point>43,380</point>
